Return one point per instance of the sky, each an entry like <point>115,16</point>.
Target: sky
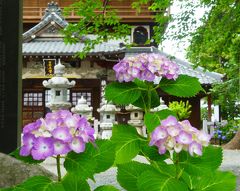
<point>170,46</point>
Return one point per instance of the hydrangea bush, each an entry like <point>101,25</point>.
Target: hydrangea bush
<point>177,154</point>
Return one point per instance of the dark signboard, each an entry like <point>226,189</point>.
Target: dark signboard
<point>10,74</point>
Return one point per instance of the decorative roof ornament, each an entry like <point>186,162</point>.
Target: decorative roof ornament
<point>51,9</point>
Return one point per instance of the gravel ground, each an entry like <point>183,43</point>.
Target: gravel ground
<point>231,161</point>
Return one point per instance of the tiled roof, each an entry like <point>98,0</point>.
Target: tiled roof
<point>204,76</point>
<point>52,15</point>
<point>60,48</point>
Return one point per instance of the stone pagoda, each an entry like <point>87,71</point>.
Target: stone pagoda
<point>107,120</point>
<point>136,118</point>
<point>82,108</point>
<point>58,86</point>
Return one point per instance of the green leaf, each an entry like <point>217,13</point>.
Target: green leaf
<point>152,152</point>
<point>154,181</point>
<point>83,164</point>
<point>106,188</point>
<point>220,181</point>
<point>143,100</point>
<point>71,182</point>
<point>122,93</point>
<point>208,162</point>
<point>127,142</point>
<point>152,120</point>
<point>105,155</point>
<point>184,86</point>
<point>164,168</point>
<point>142,84</point>
<point>27,159</point>
<point>128,174</point>
<point>39,183</point>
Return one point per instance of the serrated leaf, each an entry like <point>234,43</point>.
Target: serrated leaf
<point>122,93</point>
<point>154,181</point>
<point>152,120</point>
<point>220,181</point>
<point>71,182</point>
<point>39,183</point>
<point>143,100</point>
<point>208,162</point>
<point>26,159</point>
<point>128,174</point>
<point>105,155</point>
<point>127,142</point>
<point>83,164</point>
<point>184,86</point>
<point>106,188</point>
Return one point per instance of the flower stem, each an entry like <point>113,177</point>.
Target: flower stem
<point>149,99</point>
<point>58,168</point>
<point>177,165</point>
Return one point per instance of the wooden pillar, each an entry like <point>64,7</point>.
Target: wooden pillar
<point>10,74</point>
<point>209,102</point>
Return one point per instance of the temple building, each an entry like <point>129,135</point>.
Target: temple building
<point>43,45</point>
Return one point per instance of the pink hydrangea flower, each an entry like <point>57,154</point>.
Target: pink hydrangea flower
<point>59,133</point>
<point>176,136</point>
<point>146,67</point>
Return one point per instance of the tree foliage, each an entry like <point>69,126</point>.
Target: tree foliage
<point>101,20</point>
<point>216,45</point>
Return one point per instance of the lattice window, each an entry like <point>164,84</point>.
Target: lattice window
<point>32,99</point>
<point>48,95</point>
<point>78,95</point>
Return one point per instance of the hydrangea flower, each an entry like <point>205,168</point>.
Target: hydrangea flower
<point>176,136</point>
<point>149,67</point>
<point>59,133</point>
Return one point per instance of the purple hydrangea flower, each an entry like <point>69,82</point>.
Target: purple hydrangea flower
<point>177,136</point>
<point>184,138</point>
<point>28,142</point>
<point>77,145</point>
<point>160,133</point>
<point>57,134</point>
<point>42,148</point>
<point>146,67</point>
<point>32,126</point>
<point>161,147</point>
<point>196,148</point>
<point>60,147</point>
<point>62,133</point>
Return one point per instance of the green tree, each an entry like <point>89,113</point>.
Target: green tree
<point>216,45</point>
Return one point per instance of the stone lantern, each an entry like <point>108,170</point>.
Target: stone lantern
<point>107,111</point>
<point>58,86</point>
<point>82,108</point>
<point>136,118</point>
